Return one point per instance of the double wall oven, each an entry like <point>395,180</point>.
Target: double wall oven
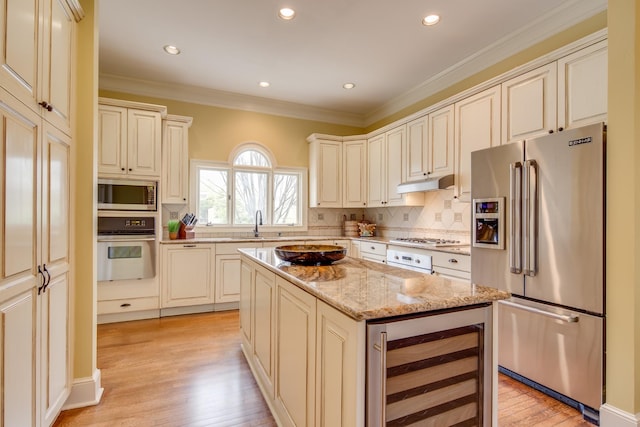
<point>126,248</point>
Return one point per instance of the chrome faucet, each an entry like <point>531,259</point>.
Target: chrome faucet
<point>258,215</point>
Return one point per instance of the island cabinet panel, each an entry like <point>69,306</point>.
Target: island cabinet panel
<point>296,337</point>
<point>264,328</point>
<point>339,377</point>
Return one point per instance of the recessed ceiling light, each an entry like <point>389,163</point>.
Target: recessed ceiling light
<point>264,84</point>
<point>171,50</point>
<point>287,13</point>
<point>349,85</point>
<point>431,20</point>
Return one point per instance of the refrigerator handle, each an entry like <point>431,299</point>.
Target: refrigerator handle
<point>531,219</point>
<point>515,225</point>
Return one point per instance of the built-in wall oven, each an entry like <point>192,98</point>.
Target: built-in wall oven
<point>126,248</point>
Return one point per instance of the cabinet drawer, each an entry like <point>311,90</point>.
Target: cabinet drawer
<point>232,248</point>
<point>376,248</point>
<point>452,261</point>
<point>127,305</point>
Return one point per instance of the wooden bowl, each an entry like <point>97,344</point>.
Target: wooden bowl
<point>311,254</point>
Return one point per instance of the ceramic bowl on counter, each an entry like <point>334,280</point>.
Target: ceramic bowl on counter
<point>310,254</point>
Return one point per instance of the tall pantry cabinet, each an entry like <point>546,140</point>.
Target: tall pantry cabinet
<point>36,96</point>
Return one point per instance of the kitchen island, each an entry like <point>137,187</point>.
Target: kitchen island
<point>358,342</point>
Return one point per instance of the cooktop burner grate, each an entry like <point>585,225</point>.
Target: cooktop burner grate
<point>428,241</point>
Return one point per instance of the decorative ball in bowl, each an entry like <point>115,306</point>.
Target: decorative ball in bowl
<point>311,254</point>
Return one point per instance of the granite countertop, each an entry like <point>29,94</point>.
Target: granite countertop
<point>367,290</point>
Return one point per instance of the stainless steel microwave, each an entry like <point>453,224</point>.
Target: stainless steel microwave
<point>127,195</point>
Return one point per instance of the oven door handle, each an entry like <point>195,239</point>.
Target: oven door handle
<point>126,239</point>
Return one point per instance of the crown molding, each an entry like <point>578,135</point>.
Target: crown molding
<point>223,99</point>
<point>566,15</point>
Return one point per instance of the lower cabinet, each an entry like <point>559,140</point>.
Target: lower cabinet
<point>307,357</point>
<point>187,275</point>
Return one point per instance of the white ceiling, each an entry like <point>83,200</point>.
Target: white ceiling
<point>228,46</point>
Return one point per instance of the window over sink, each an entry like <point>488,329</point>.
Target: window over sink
<point>229,195</point>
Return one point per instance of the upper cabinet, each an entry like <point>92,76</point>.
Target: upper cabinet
<point>529,104</point>
<point>582,87</point>
<point>129,139</point>
<point>430,145</point>
<point>325,171</point>
<point>36,48</point>
<point>175,159</point>
<point>477,127</point>
<point>354,173</point>
<point>386,168</point>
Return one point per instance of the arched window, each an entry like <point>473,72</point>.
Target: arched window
<point>249,188</point>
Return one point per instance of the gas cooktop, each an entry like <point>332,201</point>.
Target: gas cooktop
<point>431,242</point>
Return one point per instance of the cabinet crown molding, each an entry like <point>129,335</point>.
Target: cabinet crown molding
<point>132,104</point>
<point>182,119</point>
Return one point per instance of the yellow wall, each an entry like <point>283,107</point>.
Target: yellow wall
<point>84,222</point>
<point>623,212</point>
<point>215,131</point>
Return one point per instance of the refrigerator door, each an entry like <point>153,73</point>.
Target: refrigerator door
<point>494,173</point>
<point>560,349</point>
<point>564,265</point>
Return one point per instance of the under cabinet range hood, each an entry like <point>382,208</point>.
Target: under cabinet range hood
<point>429,184</point>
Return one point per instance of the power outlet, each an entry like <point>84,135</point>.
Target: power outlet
<point>320,217</point>
<point>173,215</point>
<point>405,217</point>
<point>438,216</point>
<point>352,217</point>
<point>447,204</point>
<point>457,217</point>
<point>380,217</point>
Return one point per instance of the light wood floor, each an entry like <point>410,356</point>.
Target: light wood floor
<point>190,371</point>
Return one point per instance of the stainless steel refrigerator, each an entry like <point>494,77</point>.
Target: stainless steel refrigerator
<point>538,232</point>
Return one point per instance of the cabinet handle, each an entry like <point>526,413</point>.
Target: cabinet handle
<point>44,279</point>
<point>188,246</point>
<point>46,106</point>
<point>46,285</point>
<point>125,305</point>
<point>382,348</point>
<point>453,261</point>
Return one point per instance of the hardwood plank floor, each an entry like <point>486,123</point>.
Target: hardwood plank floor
<point>190,371</point>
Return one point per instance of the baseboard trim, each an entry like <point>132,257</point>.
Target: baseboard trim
<point>85,392</point>
<point>610,416</point>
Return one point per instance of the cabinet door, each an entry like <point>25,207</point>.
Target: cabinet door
<point>354,158</point>
<point>417,149</point>
<point>144,142</point>
<point>245,305</point>
<point>441,142</point>
<point>376,171</point>
<point>18,339</point>
<point>529,104</point>
<point>227,278</point>
<point>175,162</point>
<point>19,54</point>
<point>582,87</point>
<point>477,127</point>
<point>340,378</point>
<point>187,275</point>
<point>326,177</point>
<point>58,31</point>
<point>395,152</point>
<point>55,362</point>
<point>264,327</point>
<point>296,354</point>
<point>112,140</point>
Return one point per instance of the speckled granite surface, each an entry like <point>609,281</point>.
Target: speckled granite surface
<point>366,290</point>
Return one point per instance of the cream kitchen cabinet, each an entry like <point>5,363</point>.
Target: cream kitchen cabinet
<point>582,87</point>
<point>228,271</point>
<point>325,171</point>
<point>529,104</point>
<point>354,160</point>
<point>295,355</point>
<point>373,251</point>
<point>386,169</point>
<point>129,139</point>
<point>175,159</point>
<point>456,266</point>
<point>263,316</point>
<point>37,41</point>
<point>335,242</point>
<point>477,126</point>
<point>187,274</point>
<point>430,143</point>
<point>35,287</point>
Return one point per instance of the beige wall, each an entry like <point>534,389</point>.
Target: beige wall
<point>217,131</point>
<point>623,212</point>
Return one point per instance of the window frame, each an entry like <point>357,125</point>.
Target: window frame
<point>197,164</point>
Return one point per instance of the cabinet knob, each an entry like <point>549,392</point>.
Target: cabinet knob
<point>560,129</point>
<point>46,105</point>
<point>122,169</point>
<point>550,130</point>
<point>130,169</point>
<point>125,305</point>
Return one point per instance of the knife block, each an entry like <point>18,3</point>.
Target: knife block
<point>185,232</point>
